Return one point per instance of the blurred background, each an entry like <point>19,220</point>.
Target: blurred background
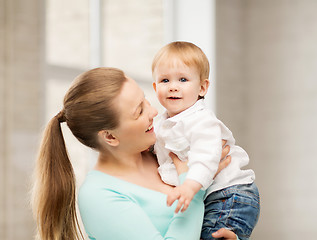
<point>263,56</point>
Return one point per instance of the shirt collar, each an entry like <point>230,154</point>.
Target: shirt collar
<point>200,104</point>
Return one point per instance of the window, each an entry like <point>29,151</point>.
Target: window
<point>84,34</point>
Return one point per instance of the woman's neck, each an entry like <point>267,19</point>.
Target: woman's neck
<point>140,169</point>
<point>119,163</point>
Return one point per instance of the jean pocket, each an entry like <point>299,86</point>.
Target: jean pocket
<point>244,214</point>
<point>213,213</point>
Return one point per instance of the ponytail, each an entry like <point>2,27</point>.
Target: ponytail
<point>54,195</point>
<point>88,109</point>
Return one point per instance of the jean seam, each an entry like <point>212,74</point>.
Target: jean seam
<point>255,206</point>
<point>235,190</point>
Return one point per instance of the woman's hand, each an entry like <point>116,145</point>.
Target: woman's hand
<point>225,234</point>
<point>225,160</point>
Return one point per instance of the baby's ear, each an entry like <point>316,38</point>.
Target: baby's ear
<point>204,84</point>
<point>154,86</point>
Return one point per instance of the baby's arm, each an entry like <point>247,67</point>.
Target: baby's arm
<point>190,187</point>
<point>184,193</point>
<point>204,137</point>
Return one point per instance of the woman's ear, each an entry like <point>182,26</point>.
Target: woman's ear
<point>204,84</point>
<point>108,137</point>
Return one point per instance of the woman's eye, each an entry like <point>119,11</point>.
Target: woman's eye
<point>165,80</point>
<point>183,80</point>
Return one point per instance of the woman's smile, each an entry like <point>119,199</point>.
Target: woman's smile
<point>150,129</point>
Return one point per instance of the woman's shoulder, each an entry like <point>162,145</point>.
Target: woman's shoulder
<point>98,184</point>
<point>100,189</point>
<point>94,182</point>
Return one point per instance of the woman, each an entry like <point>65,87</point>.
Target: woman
<point>123,197</point>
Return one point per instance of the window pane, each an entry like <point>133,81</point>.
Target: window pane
<point>133,32</point>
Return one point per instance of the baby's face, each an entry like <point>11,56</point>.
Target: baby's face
<point>177,85</point>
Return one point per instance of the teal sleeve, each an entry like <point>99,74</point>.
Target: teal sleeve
<point>115,216</point>
<point>187,225</point>
<point>112,215</point>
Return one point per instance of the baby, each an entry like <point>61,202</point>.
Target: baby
<point>192,132</point>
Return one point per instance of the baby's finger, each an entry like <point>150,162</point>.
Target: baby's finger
<point>171,198</point>
<point>179,204</point>
<point>186,204</point>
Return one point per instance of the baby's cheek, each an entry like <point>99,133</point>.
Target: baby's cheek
<point>160,95</point>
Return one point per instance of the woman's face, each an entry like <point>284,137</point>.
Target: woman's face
<point>135,132</point>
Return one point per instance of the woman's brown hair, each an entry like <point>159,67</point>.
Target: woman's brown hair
<point>88,108</point>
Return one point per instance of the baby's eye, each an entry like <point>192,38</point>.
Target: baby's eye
<point>165,80</point>
<point>183,80</point>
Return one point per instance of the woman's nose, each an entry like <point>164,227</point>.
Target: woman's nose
<point>153,112</point>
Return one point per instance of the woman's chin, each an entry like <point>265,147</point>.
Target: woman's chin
<point>149,147</point>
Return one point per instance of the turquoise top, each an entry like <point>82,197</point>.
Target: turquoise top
<point>112,208</point>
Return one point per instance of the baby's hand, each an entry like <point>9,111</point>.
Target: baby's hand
<point>184,194</point>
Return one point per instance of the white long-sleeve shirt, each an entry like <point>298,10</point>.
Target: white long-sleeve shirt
<point>196,134</point>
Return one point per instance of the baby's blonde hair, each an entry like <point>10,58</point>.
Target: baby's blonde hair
<point>188,53</point>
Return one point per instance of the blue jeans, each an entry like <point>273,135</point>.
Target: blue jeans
<point>236,208</point>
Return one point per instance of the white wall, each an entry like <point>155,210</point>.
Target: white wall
<point>21,52</point>
<point>267,94</point>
